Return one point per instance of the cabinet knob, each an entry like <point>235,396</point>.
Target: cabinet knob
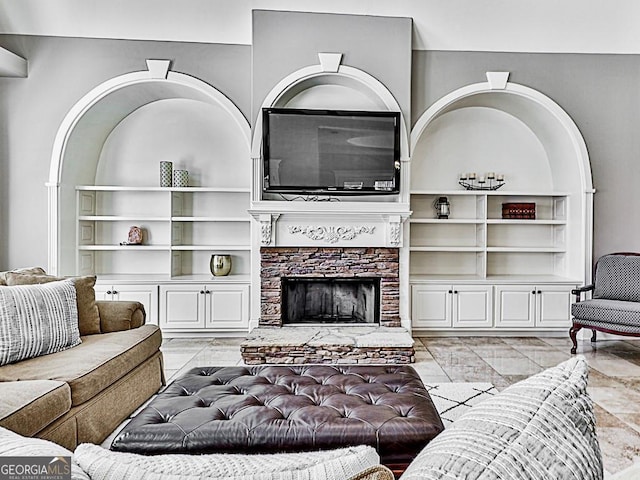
<point>533,291</point>
<point>450,291</point>
<point>201,292</point>
<point>455,291</point>
<point>207,292</point>
<point>109,292</point>
<point>539,292</point>
<point>115,292</point>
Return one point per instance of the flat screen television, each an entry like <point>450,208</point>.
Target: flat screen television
<point>331,151</point>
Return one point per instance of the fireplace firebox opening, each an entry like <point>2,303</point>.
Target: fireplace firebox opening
<point>330,300</point>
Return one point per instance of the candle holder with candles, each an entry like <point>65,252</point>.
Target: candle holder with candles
<point>489,181</point>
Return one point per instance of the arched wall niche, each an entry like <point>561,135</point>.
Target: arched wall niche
<point>547,121</point>
<point>85,130</point>
<point>514,130</point>
<point>336,86</point>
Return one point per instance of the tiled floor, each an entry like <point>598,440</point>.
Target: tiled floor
<point>614,380</point>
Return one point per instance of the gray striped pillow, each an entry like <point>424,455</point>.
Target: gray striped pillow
<point>538,429</point>
<point>37,319</point>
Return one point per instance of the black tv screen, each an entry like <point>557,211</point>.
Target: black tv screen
<point>331,151</point>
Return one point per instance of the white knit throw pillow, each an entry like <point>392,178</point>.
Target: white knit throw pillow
<point>37,319</point>
<point>14,445</point>
<point>338,464</point>
<point>541,428</point>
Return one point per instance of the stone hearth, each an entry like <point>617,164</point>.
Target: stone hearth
<point>345,345</point>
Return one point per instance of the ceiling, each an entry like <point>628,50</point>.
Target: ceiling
<point>579,26</point>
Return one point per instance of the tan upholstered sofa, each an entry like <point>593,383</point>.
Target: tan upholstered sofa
<point>83,393</point>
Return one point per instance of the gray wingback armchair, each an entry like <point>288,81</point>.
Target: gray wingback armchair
<point>615,303</point>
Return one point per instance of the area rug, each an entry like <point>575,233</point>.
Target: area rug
<point>453,399</point>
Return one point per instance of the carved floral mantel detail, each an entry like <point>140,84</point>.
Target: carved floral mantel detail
<point>330,234</point>
<point>394,234</point>
<point>265,232</point>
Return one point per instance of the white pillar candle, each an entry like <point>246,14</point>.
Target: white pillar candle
<point>500,177</point>
<point>472,176</point>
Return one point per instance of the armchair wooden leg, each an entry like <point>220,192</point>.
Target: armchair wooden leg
<point>593,336</point>
<point>573,331</point>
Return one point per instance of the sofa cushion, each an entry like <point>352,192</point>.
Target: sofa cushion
<point>341,463</point>
<point>14,445</point>
<point>618,277</point>
<point>540,428</point>
<point>607,312</point>
<point>37,320</point>
<point>99,361</point>
<point>88,315</point>
<point>30,270</point>
<point>29,406</point>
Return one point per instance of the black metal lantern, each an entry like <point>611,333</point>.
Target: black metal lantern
<point>443,207</point>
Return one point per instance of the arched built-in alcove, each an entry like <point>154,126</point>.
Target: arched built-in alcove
<point>517,131</point>
<point>504,258</point>
<point>102,140</point>
<point>329,86</point>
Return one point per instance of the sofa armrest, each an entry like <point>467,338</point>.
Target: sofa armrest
<point>579,291</point>
<point>120,315</point>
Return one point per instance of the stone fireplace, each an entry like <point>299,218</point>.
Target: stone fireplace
<point>332,289</point>
<point>330,301</point>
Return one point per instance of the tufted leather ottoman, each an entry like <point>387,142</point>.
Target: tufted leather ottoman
<point>267,409</point>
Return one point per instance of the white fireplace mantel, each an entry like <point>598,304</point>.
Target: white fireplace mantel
<point>330,223</point>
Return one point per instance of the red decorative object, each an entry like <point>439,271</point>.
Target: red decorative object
<point>519,210</point>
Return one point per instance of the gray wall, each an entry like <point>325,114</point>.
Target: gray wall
<point>601,93</point>
<point>61,71</point>
<point>284,42</point>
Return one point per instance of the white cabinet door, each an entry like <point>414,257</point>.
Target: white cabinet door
<point>227,306</point>
<point>554,305</point>
<point>515,306</point>
<point>147,295</point>
<point>104,292</point>
<point>431,306</point>
<point>528,306</point>
<point>182,306</point>
<point>472,306</point>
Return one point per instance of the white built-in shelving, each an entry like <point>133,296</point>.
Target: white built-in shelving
<point>477,243</point>
<point>183,227</point>
<point>476,270</point>
<point>169,273</point>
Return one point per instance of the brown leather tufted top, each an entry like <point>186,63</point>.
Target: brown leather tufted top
<point>267,409</point>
